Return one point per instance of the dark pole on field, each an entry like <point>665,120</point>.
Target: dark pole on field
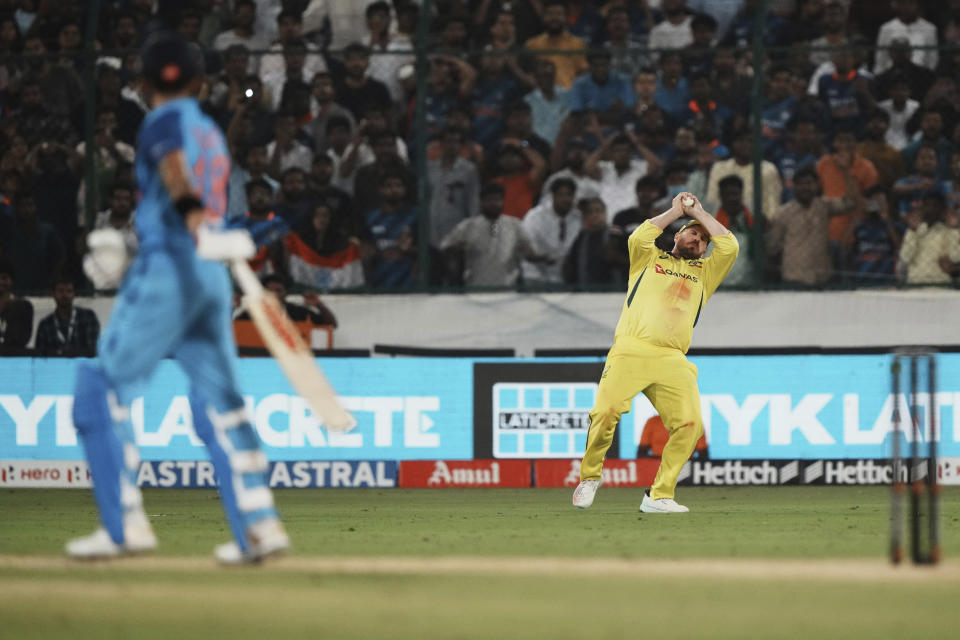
<point>89,100</point>
<point>421,65</point>
<point>914,474</point>
<point>933,489</point>
<point>896,505</point>
<point>756,111</point>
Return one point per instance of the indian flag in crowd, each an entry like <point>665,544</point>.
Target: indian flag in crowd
<point>340,270</point>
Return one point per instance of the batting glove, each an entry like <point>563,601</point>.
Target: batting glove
<point>107,260</point>
<point>226,245</point>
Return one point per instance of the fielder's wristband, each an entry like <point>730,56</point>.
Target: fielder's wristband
<point>186,204</point>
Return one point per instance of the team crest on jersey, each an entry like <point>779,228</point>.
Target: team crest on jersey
<point>696,263</point>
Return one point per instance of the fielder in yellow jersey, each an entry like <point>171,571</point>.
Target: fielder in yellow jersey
<point>666,294</point>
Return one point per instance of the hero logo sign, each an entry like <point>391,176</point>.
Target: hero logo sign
<point>44,473</point>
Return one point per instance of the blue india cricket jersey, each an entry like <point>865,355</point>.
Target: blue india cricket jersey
<point>178,124</point>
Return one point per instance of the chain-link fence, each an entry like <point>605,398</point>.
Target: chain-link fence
<point>516,145</point>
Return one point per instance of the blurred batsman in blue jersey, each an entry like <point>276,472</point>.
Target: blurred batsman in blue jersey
<point>174,301</point>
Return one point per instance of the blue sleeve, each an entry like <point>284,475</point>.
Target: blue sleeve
<point>161,136</point>
<point>264,232</point>
<point>822,87</point>
<point>576,98</point>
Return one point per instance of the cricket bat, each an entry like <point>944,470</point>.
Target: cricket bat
<point>290,351</point>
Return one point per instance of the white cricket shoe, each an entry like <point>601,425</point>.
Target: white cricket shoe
<point>138,537</point>
<point>661,505</point>
<point>266,538</point>
<point>585,492</point>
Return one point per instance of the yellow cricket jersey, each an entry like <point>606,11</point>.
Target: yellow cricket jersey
<point>667,294</point>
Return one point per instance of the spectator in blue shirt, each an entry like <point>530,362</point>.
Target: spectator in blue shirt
<point>390,251</point>
<point>931,134</point>
<point>549,104</point>
<point>702,106</point>
<point>846,96</point>
<point>585,21</point>
<point>699,57</point>
<point>740,32</point>
<point>803,146</point>
<point>779,108</point>
<point>254,167</point>
<point>673,93</point>
<point>629,51</point>
<point>264,225</point>
<point>518,124</point>
<point>293,202</point>
<point>909,191</point>
<point>607,92</point>
<point>876,241</point>
<point>495,88</point>
<point>654,131</point>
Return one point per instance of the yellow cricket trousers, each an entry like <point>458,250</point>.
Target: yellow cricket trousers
<point>669,380</point>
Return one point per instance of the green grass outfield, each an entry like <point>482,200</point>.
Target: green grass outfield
<point>795,562</point>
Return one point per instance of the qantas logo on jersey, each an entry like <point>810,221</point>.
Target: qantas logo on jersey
<point>668,272</point>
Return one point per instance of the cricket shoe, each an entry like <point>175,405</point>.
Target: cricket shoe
<point>585,492</point>
<point>137,538</point>
<point>266,538</point>
<point>660,505</point>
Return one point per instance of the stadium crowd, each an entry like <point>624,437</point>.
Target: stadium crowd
<point>548,131</point>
